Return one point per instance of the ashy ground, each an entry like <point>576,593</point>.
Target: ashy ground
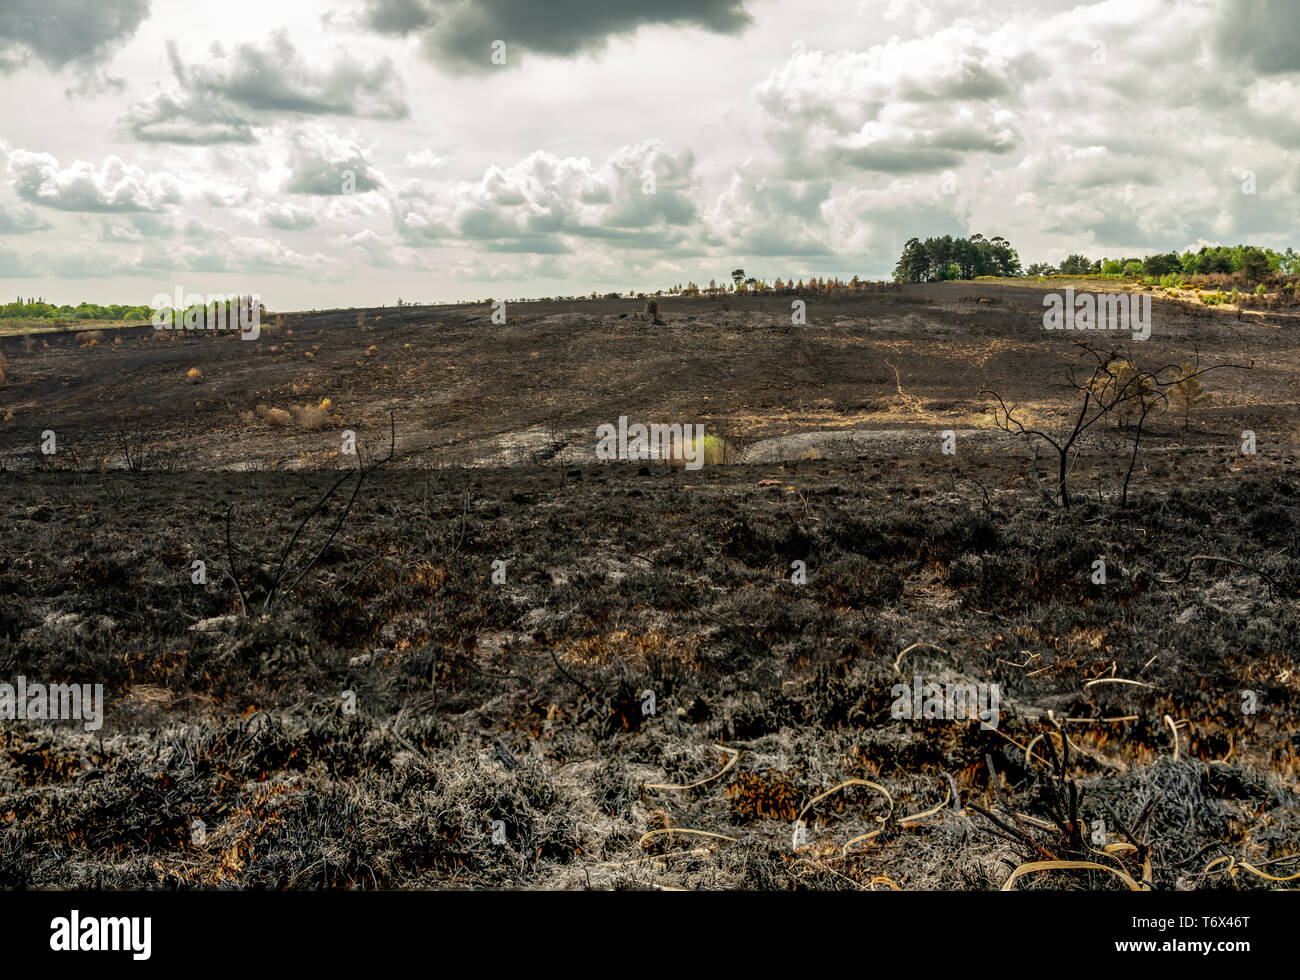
<point>498,662</point>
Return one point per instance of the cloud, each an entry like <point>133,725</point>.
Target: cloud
<point>380,251</point>
<point>59,32</point>
<point>900,107</point>
<point>461,32</point>
<point>221,97</point>
<point>177,117</point>
<point>18,219</point>
<point>635,199</point>
<point>112,186</point>
<point>1261,34</point>
<point>318,160</point>
<point>769,217</point>
<point>285,216</point>
<point>425,159</point>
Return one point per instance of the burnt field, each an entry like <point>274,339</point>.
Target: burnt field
<point>497,662</point>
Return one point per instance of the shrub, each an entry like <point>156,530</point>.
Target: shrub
<point>1187,393</point>
<point>714,449</point>
<point>87,338</point>
<point>652,310</point>
<point>276,416</point>
<point>3,366</point>
<point>194,376</point>
<point>313,418</point>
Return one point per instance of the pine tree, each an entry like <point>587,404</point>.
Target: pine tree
<point>1129,391</point>
<point>1187,393</point>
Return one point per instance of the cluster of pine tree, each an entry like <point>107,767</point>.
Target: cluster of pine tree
<point>938,259</point>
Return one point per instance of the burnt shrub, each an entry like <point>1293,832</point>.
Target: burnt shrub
<point>760,545</point>
<point>858,582</point>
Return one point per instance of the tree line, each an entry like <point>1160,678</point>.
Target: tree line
<point>939,259</point>
<point>1252,262</point>
<point>38,309</point>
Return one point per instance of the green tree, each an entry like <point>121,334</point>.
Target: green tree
<point>914,264</point>
<point>1254,264</point>
<point>1161,265</point>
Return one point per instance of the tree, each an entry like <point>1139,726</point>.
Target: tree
<point>1254,264</point>
<point>1131,392</point>
<point>937,259</point>
<point>1161,265</point>
<point>1076,265</point>
<point>1002,258</point>
<point>1187,392</point>
<point>1113,385</point>
<point>737,276</point>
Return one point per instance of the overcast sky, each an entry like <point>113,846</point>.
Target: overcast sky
<point>146,144</point>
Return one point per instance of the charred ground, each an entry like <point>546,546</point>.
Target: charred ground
<point>499,736</point>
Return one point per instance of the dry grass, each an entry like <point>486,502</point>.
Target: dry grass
<point>276,416</point>
<point>312,417</point>
<point>194,376</point>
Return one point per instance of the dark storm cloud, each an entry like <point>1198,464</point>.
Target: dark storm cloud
<point>462,31</point>
<point>1261,34</point>
<point>220,99</point>
<point>62,31</point>
<point>274,77</point>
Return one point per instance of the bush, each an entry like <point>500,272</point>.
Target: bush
<point>194,376</point>
<point>3,367</point>
<point>652,310</point>
<point>313,418</point>
<point>714,450</point>
<point>276,416</point>
<point>87,338</point>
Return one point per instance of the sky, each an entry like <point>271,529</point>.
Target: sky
<point>324,153</point>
